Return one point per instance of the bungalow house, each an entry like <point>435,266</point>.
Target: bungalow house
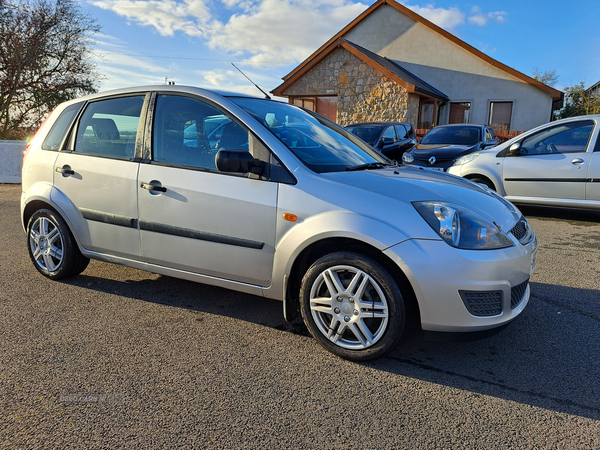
<point>391,64</point>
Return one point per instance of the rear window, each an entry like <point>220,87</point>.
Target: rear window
<point>369,134</point>
<point>61,127</point>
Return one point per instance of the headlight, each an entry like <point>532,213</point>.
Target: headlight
<point>407,158</point>
<point>465,159</point>
<point>461,227</point>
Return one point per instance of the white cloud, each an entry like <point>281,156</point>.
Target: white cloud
<point>284,31</point>
<point>246,5</point>
<point>448,18</point>
<point>451,18</point>
<point>120,68</point>
<point>481,19</point>
<point>166,16</point>
<point>263,33</point>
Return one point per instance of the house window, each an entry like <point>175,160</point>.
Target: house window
<point>500,113</point>
<point>459,112</point>
<point>326,106</point>
<point>426,114</point>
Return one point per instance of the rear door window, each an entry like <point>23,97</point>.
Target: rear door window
<point>401,132</point>
<point>110,127</point>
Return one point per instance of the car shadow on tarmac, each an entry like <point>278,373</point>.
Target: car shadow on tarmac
<point>547,358</point>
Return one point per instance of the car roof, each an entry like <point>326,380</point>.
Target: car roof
<point>368,124</point>
<point>162,88</point>
<point>470,125</point>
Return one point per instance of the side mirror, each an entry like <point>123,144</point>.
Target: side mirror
<point>490,143</point>
<point>385,141</point>
<point>514,149</point>
<point>238,161</point>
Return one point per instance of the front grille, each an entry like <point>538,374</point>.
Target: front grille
<point>438,160</point>
<point>520,231</point>
<point>482,303</point>
<point>517,293</point>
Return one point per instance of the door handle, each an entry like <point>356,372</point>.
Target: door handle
<point>152,187</point>
<point>65,170</point>
<point>577,161</point>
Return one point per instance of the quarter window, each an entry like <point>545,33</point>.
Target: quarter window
<point>109,127</point>
<point>60,128</point>
<point>566,138</point>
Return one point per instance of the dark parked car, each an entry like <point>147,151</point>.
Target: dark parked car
<point>391,139</point>
<point>442,145</point>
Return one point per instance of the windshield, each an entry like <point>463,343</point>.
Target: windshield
<point>369,134</point>
<point>453,136</point>
<point>319,143</point>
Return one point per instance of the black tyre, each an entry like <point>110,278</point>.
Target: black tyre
<point>52,247</point>
<point>352,306</point>
<point>484,181</point>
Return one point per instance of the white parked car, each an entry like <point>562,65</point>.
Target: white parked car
<point>556,164</point>
<point>283,203</point>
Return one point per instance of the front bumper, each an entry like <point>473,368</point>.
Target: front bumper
<point>439,274</point>
<point>442,167</point>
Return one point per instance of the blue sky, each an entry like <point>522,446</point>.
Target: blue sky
<point>194,42</point>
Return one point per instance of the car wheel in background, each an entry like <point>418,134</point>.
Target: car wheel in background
<point>52,247</point>
<point>485,181</point>
<point>352,306</point>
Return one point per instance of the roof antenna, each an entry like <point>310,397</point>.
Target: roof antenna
<point>266,95</point>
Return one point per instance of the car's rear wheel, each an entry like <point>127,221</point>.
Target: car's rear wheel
<point>352,306</point>
<point>52,247</point>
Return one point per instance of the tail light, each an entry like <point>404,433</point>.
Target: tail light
<point>26,151</point>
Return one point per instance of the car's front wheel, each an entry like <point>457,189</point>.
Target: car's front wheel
<point>483,180</point>
<point>352,306</point>
<point>52,247</point>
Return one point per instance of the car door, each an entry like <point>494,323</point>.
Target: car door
<point>404,141</point>
<point>98,174</point>
<point>551,163</point>
<point>195,218</point>
<point>592,187</point>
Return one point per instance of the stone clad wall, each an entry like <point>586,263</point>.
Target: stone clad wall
<point>364,94</point>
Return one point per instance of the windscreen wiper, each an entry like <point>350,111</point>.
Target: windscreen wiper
<point>368,166</point>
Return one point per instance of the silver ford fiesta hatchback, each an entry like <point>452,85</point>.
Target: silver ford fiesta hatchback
<point>269,199</point>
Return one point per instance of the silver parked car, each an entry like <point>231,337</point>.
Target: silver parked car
<point>282,203</point>
<point>556,164</point>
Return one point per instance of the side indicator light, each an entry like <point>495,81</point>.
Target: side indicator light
<point>290,217</point>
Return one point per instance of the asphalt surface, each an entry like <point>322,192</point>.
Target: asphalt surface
<point>120,358</point>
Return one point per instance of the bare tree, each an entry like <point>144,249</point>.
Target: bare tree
<point>548,77</point>
<point>44,60</point>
